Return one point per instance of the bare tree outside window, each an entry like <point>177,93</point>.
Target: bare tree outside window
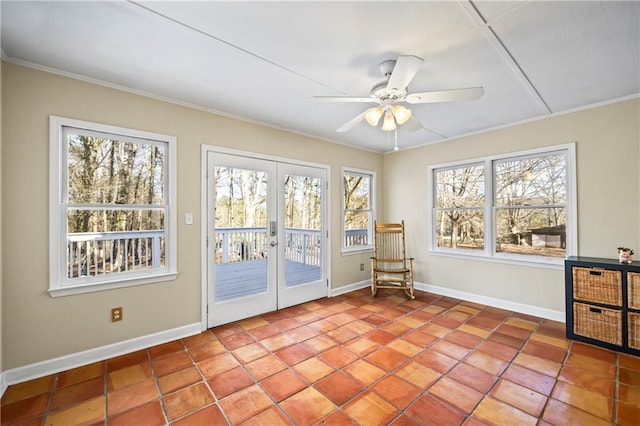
<point>115,197</point>
<point>303,197</point>
<point>358,209</point>
<point>241,198</point>
<point>530,202</point>
<point>459,207</point>
<point>520,207</point>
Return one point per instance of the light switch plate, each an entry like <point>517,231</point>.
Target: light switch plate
<point>188,218</point>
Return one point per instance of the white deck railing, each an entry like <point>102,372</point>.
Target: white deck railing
<point>242,244</point>
<point>301,245</point>
<point>99,253</point>
<point>356,237</point>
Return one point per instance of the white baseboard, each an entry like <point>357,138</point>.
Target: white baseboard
<point>469,297</point>
<point>494,302</point>
<point>349,288</point>
<point>78,359</point>
<point>3,384</point>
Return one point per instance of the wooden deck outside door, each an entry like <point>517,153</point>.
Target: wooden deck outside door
<point>267,236</point>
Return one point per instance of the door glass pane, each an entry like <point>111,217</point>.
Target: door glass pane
<point>240,233</point>
<point>303,219</point>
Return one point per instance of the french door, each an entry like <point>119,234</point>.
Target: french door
<point>266,236</point>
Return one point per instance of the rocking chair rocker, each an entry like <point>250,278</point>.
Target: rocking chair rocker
<point>390,268</point>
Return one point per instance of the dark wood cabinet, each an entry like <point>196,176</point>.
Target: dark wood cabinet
<point>602,300</point>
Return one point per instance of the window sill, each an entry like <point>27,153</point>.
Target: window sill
<point>110,285</point>
<point>349,252</point>
<point>541,263</point>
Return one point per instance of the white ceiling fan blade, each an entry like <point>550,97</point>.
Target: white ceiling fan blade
<point>341,99</point>
<point>403,72</point>
<point>413,124</point>
<point>454,95</point>
<point>349,124</point>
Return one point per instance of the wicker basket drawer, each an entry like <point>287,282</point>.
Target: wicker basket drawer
<point>633,290</point>
<point>597,285</point>
<point>634,330</point>
<point>598,323</point>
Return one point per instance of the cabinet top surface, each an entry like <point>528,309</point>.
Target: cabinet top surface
<point>600,261</point>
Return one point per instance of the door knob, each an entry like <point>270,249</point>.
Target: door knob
<point>273,243</point>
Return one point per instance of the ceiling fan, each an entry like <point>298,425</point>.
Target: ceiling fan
<point>389,95</point>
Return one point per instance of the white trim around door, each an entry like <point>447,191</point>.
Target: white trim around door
<point>277,236</point>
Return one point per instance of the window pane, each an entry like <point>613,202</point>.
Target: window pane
<point>356,230</point>
<point>356,191</point>
<point>103,242</point>
<point>462,187</point>
<point>530,231</point>
<point>109,171</point>
<point>460,229</point>
<point>531,181</point>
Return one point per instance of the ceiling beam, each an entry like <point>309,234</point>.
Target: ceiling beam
<point>495,41</point>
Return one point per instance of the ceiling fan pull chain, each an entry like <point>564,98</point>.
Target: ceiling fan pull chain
<point>395,146</point>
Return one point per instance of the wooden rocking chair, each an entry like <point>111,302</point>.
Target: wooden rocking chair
<point>390,267</point>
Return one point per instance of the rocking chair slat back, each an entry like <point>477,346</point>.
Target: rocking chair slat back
<point>390,267</point>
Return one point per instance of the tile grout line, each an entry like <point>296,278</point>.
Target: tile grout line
<point>616,390</point>
<point>555,380</point>
<point>157,383</point>
<point>52,392</point>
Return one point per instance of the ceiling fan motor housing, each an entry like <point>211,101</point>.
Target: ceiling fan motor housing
<point>386,67</point>
<point>382,93</point>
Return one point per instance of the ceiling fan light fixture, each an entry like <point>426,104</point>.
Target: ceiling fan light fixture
<point>389,122</point>
<point>401,114</point>
<point>373,115</point>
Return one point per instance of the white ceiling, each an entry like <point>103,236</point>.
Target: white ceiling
<point>263,61</point>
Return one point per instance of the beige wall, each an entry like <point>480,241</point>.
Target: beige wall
<point>38,327</point>
<point>607,149</point>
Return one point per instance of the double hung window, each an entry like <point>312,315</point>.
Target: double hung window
<point>358,209</point>
<point>112,207</point>
<point>518,207</point>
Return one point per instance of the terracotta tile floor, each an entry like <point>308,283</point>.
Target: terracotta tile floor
<point>349,360</point>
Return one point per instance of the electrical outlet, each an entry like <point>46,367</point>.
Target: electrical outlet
<point>116,314</point>
<point>362,266</point>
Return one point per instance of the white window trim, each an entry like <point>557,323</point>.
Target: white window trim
<point>58,283</point>
<point>489,253</point>
<point>372,202</point>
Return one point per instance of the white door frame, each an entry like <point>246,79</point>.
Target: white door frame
<point>204,275</point>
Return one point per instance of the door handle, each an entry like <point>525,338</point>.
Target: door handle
<point>273,243</point>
